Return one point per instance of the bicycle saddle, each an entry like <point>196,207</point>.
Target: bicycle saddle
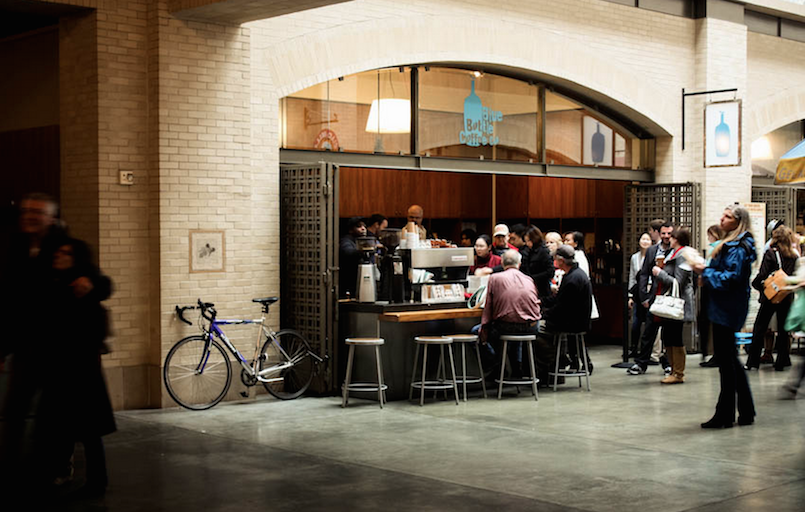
<point>266,300</point>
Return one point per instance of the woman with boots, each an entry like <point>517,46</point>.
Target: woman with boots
<point>727,281</point>
<point>779,255</point>
<point>676,271</point>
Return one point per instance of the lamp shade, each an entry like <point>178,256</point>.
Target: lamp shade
<point>388,115</point>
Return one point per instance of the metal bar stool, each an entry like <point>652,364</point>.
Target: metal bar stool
<point>364,386</point>
<point>439,383</point>
<point>527,340</point>
<point>464,339</point>
<point>581,349</point>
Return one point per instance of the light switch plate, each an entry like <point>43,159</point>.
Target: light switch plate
<point>126,178</point>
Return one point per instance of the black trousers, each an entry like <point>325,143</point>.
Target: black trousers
<point>653,324</point>
<point>733,378</point>
<point>764,314</point>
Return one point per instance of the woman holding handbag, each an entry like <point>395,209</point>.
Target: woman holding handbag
<point>676,277</point>
<point>779,255</point>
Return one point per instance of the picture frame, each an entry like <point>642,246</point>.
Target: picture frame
<point>722,134</point>
<point>207,251</point>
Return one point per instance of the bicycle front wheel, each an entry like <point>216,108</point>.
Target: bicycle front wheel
<point>197,373</point>
<point>294,365</point>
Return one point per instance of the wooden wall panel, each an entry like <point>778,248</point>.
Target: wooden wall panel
<point>511,196</point>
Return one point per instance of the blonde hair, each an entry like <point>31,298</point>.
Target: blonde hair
<point>741,214</point>
<point>553,236</point>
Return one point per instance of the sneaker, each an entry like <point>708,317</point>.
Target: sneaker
<point>636,369</point>
<point>667,370</point>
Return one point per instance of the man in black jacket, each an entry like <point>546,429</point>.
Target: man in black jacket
<point>569,310</point>
<point>646,292</point>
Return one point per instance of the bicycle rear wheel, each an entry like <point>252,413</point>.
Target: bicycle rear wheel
<point>197,373</point>
<point>295,378</point>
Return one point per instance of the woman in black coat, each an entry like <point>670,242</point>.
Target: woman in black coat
<point>780,254</point>
<point>76,406</point>
<point>538,263</point>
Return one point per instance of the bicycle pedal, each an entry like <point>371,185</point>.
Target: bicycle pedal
<point>244,394</point>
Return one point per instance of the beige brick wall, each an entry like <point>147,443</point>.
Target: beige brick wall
<point>192,109</point>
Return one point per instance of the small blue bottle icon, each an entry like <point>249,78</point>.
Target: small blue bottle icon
<point>722,138</point>
<point>597,145</point>
<point>473,116</point>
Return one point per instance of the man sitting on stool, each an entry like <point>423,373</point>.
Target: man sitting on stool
<point>512,307</point>
<point>569,310</point>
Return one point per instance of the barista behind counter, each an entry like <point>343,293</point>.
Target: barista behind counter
<point>349,257</point>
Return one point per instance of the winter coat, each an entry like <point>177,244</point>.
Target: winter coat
<point>77,402</point>
<point>677,269</point>
<point>569,310</point>
<point>539,265</point>
<point>727,281</point>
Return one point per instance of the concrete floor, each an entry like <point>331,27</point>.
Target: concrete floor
<point>629,444</point>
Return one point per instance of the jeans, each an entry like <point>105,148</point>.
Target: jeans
<point>639,314</point>
<point>647,340</point>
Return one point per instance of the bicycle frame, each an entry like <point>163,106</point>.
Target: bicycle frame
<point>251,370</point>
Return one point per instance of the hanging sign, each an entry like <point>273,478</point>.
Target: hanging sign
<point>722,134</point>
<point>479,122</point>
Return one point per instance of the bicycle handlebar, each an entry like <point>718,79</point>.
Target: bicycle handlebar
<point>207,311</point>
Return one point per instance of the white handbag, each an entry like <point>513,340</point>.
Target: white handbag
<point>671,306</point>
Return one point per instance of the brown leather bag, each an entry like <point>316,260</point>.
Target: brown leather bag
<point>773,286</point>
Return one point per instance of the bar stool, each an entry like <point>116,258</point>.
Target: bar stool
<point>581,349</point>
<point>527,340</point>
<point>364,386</point>
<point>464,339</point>
<point>443,383</point>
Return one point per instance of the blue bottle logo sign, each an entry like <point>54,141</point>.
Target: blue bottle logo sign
<point>722,138</point>
<point>479,122</point>
<point>597,145</point>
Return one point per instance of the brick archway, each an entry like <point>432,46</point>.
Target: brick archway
<point>314,58</point>
<point>774,112</point>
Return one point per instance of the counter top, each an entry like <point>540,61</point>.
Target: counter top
<point>382,308</point>
<point>427,315</point>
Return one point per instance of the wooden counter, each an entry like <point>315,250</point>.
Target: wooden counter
<point>424,316</point>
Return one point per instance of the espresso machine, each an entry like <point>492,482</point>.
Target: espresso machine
<point>440,274</point>
<point>365,289</point>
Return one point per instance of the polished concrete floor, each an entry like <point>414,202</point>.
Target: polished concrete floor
<point>629,444</point>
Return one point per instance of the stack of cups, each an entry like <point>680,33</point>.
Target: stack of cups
<point>412,240</point>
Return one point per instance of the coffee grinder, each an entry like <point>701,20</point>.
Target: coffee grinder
<point>365,288</point>
<point>392,271</point>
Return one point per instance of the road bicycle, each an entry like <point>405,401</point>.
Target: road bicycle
<point>198,371</point>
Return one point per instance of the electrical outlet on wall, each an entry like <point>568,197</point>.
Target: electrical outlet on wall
<point>126,177</point>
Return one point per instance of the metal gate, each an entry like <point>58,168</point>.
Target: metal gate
<point>679,203</point>
<point>780,203</point>
<point>309,252</point>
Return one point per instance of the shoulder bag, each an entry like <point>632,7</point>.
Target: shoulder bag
<point>774,285</point>
<point>671,306</point>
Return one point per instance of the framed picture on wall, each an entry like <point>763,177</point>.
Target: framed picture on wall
<point>207,251</point>
<point>597,138</point>
<point>722,134</point>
